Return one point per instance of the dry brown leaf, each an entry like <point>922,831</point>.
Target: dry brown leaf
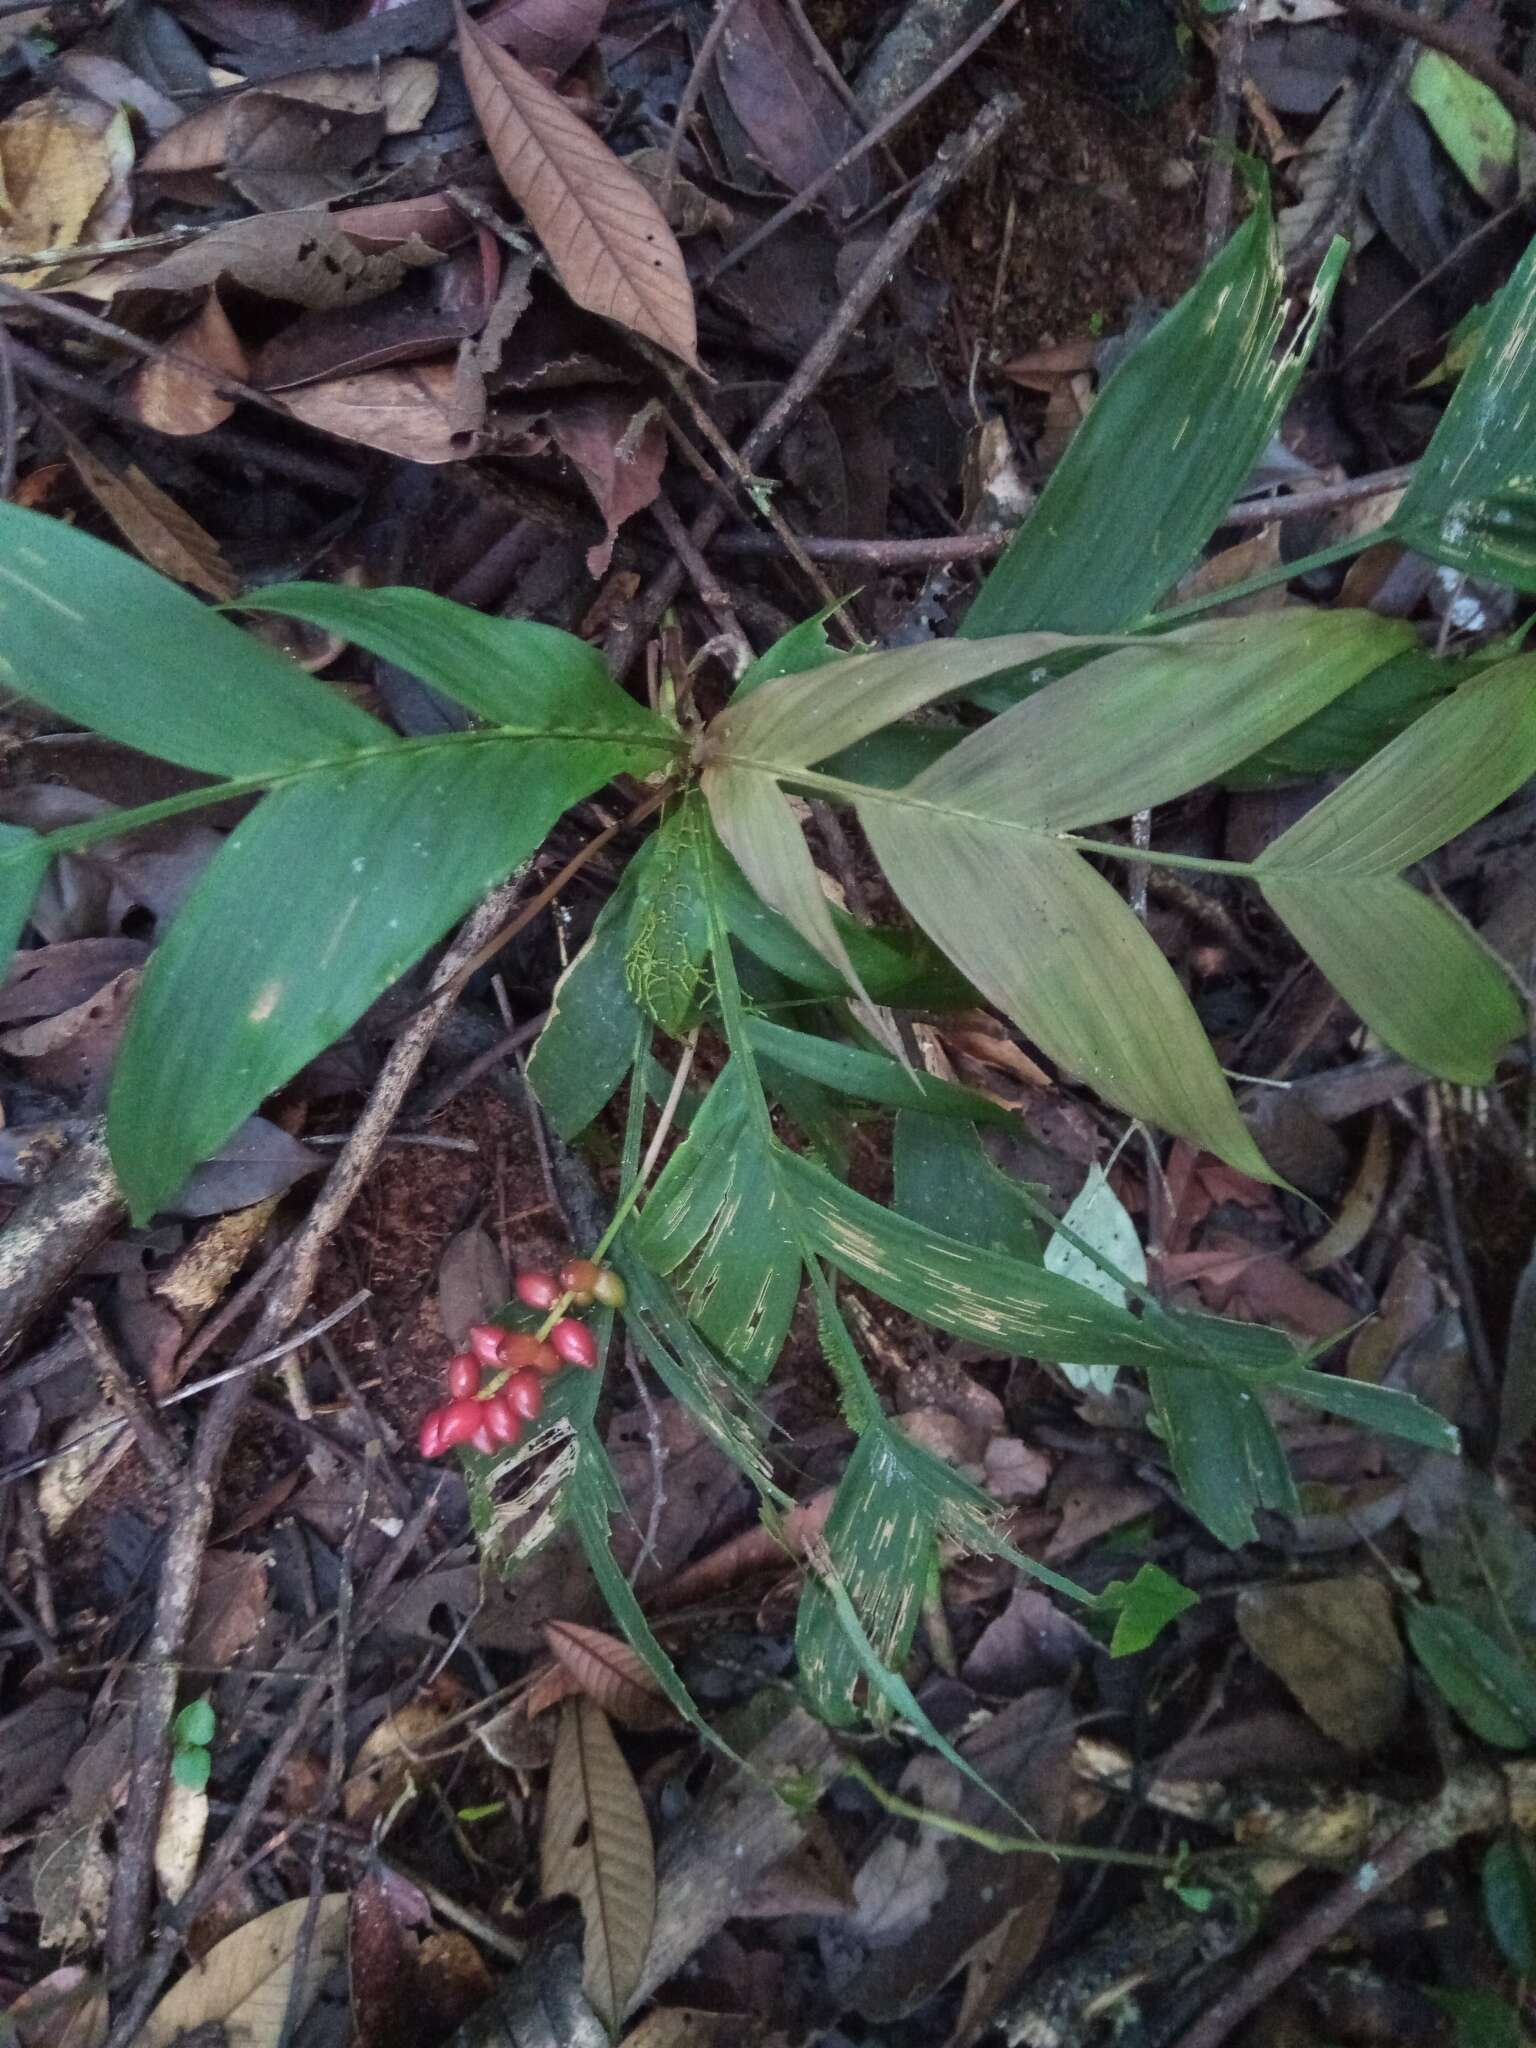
<point>400,92</point>
<point>1334,1645</point>
<point>597,1846</point>
<point>619,465</point>
<point>230,1609</point>
<point>600,228</point>
<point>607,1671</point>
<point>175,400</point>
<point>1359,1208</point>
<point>399,1749</point>
<point>410,410</point>
<point>549,33</point>
<point>472,1282</point>
<point>1250,557</point>
<point>303,257</point>
<point>65,2009</point>
<point>64,166</point>
<point>242,1984</point>
<point>156,527</point>
<point>67,1482</point>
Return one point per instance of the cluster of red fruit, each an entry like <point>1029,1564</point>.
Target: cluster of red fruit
<point>489,1414</point>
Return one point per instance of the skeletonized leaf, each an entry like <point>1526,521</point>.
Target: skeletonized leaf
<point>603,232</point>
<point>609,1672</point>
<point>1044,936</point>
<point>242,1984</point>
<point>597,1846</point>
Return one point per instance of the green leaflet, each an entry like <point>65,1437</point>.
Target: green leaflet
<point>1143,1607</point>
<point>509,671</point>
<point>669,923</point>
<point>1493,1692</point>
<point>589,1044</point>
<point>319,900</point>
<point>870,1076</point>
<point>1224,1450</point>
<point>1472,501</point>
<point>803,647</point>
<point>945,1183</point>
<point>1159,459</point>
<point>84,628</point>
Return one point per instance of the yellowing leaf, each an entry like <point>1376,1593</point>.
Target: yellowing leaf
<point>242,1984</point>
<point>597,1845</point>
<point>1476,129</point>
<point>601,229</point>
<point>60,158</point>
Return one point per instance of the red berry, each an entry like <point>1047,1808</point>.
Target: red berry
<point>482,1440</point>
<point>486,1340</point>
<point>546,1359</point>
<point>610,1289</point>
<point>574,1342</point>
<point>431,1436</point>
<point>460,1420</point>
<point>502,1420</point>
<point>464,1376</point>
<point>524,1393</point>
<point>537,1290</point>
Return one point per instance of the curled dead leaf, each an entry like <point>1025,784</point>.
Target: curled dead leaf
<point>174,399</point>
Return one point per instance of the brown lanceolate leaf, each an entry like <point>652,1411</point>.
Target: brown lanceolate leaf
<point>597,1845</point>
<point>603,232</point>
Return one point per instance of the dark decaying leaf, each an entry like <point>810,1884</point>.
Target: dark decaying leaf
<point>603,232</point>
<point>620,452</point>
<point>795,124</point>
<point>597,1846</point>
<point>1334,1644</point>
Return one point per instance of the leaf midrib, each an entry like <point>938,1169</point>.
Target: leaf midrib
<point>113,824</point>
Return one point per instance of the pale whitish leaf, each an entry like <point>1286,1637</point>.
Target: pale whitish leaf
<point>243,1983</point>
<point>798,716</point>
<point>1472,503</point>
<point>1450,768</point>
<point>609,1672</point>
<point>1163,452</point>
<point>603,232</point>
<point>597,1846</point>
<point>1044,936</point>
<point>1099,1217</point>
<point>179,1840</point>
<point>1417,975</point>
<point>1146,723</point>
<point>1494,1693</point>
<point>220,703</point>
<point>718,1210</point>
<point>752,816</point>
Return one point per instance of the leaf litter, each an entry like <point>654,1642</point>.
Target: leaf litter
<point>444,338</point>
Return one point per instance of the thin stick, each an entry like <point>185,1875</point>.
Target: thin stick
<point>138,1413</point>
<point>192,1515</point>
<point>901,113</point>
<point>1235,32</point>
<point>690,95</point>
<point>957,157</point>
<point>9,424</point>
<point>962,547</point>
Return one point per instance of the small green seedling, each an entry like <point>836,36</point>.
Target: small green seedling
<point>191,1733</point>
